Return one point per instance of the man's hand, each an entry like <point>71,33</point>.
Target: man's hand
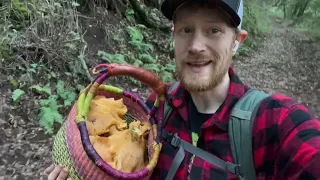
<point>57,173</point>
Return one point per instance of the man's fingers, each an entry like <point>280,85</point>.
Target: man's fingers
<point>49,169</point>
<point>63,174</point>
<point>55,173</point>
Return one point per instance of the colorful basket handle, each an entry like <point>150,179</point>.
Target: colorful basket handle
<point>140,74</point>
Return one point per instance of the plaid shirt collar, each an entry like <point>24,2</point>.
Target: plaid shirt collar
<point>221,118</point>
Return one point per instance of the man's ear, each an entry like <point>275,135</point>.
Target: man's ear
<point>242,35</point>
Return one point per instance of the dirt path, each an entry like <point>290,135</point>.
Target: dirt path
<point>287,62</point>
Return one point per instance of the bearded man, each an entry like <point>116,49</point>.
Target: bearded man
<point>285,136</point>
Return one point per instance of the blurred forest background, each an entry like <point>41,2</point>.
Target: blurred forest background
<point>49,47</point>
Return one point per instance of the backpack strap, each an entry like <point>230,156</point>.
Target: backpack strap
<point>183,145</point>
<point>176,141</point>
<point>240,131</point>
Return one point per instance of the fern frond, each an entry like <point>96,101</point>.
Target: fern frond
<point>135,34</point>
<point>152,67</point>
<point>49,113</point>
<point>147,58</point>
<point>166,76</point>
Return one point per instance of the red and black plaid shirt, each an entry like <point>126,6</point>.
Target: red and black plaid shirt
<point>286,138</point>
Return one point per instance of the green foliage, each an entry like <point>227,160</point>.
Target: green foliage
<point>142,58</point>
<point>51,107</point>
<point>137,63</point>
<point>41,31</point>
<point>170,67</point>
<point>41,90</point>
<point>129,14</point>
<point>19,12</point>
<point>152,67</point>
<point>147,58</point>
<point>112,58</point>
<point>14,83</point>
<point>49,113</point>
<point>307,16</point>
<point>141,47</point>
<point>137,39</point>
<point>75,4</point>
<point>275,12</point>
<point>16,95</point>
<point>66,94</point>
<point>304,14</point>
<point>8,37</point>
<point>256,21</point>
<point>135,34</point>
<point>42,42</point>
<point>4,52</point>
<point>165,75</point>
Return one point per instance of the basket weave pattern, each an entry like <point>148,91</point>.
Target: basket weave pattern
<point>61,153</point>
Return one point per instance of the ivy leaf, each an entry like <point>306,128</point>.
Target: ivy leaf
<point>17,94</point>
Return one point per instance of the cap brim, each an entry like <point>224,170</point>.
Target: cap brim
<point>169,7</point>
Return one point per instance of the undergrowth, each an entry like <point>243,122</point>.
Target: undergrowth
<point>50,107</point>
<point>55,99</point>
<point>42,46</point>
<point>141,55</point>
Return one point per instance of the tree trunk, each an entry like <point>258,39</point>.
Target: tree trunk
<point>277,2</point>
<point>142,11</point>
<point>303,8</point>
<point>153,3</point>
<point>284,4</point>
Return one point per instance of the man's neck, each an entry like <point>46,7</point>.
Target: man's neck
<point>209,101</point>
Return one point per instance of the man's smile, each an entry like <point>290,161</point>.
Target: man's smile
<point>199,64</point>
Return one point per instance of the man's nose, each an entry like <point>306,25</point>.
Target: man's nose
<point>197,45</point>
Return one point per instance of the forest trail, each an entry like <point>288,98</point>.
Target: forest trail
<point>287,62</point>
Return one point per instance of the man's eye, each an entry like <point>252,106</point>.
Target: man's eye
<point>186,30</point>
<point>214,30</point>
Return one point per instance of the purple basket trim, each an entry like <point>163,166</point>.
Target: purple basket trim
<point>153,111</point>
<point>101,78</point>
<point>137,99</point>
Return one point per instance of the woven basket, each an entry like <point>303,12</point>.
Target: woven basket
<point>72,147</point>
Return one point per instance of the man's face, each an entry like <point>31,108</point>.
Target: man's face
<point>203,41</point>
